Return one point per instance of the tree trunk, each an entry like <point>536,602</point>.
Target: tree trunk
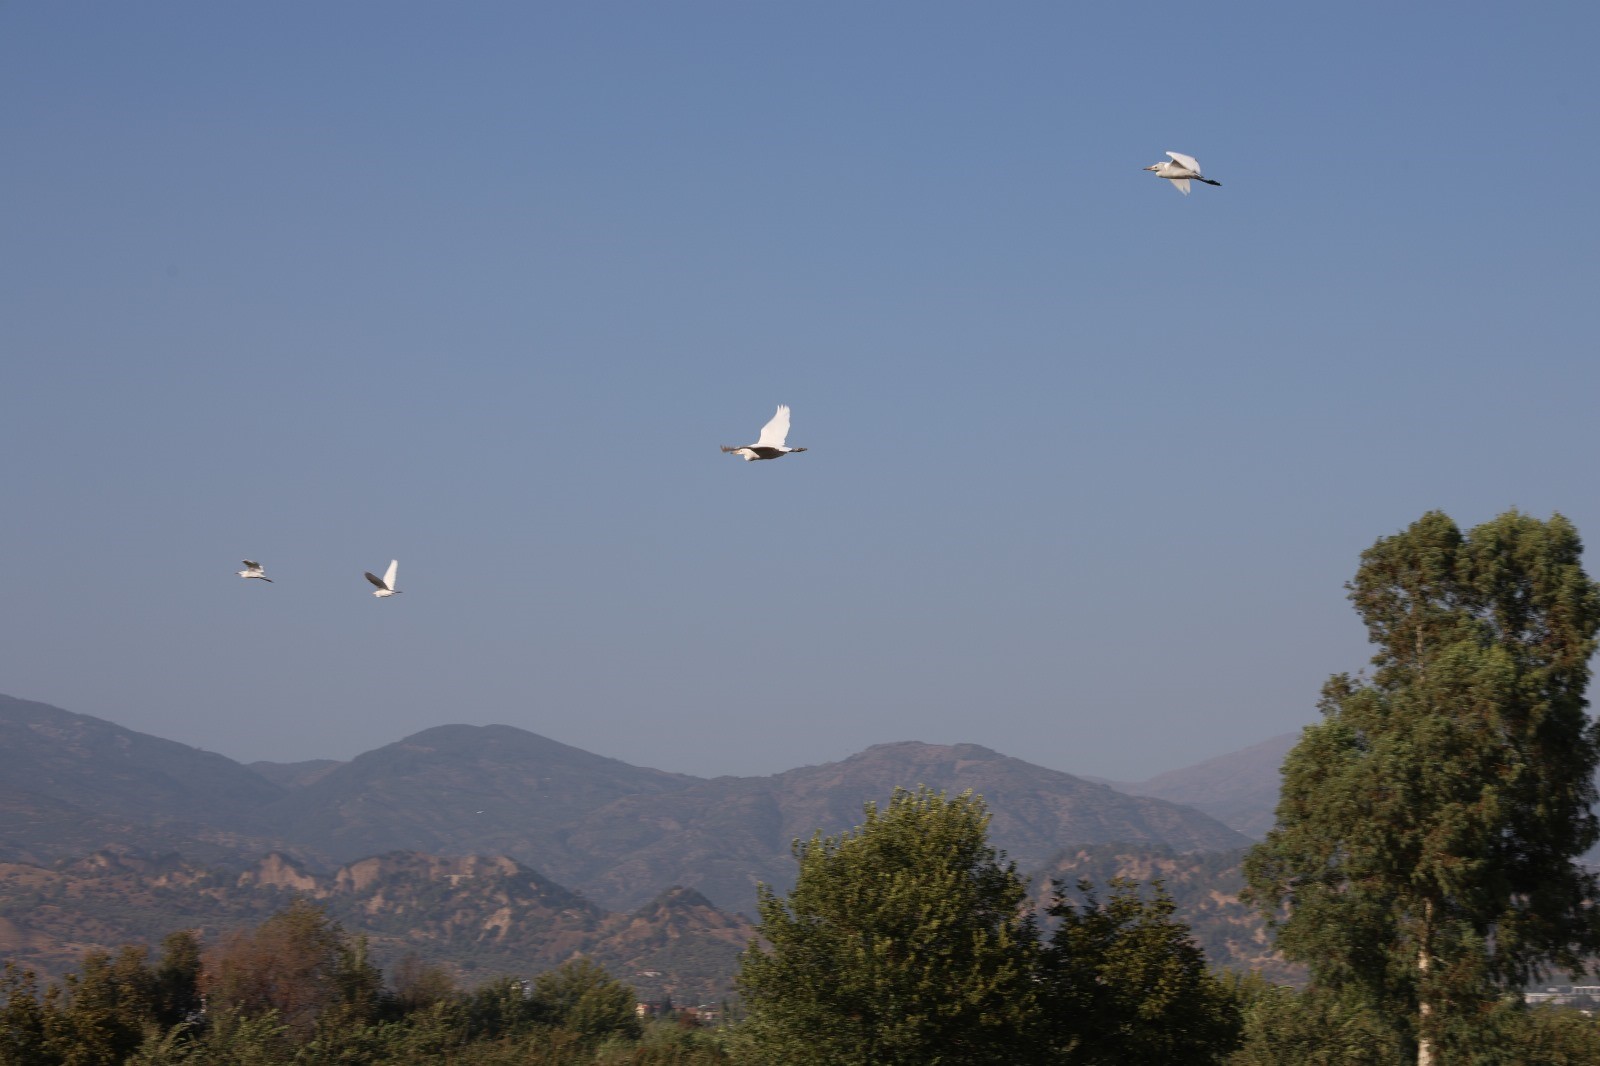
<point>1424,1006</point>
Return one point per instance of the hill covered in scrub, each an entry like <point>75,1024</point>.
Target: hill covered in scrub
<point>481,917</point>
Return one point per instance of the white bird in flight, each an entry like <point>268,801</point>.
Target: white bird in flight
<point>386,582</point>
<point>1180,170</point>
<point>255,570</point>
<point>770,444</point>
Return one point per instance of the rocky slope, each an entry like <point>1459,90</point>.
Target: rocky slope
<point>480,916</point>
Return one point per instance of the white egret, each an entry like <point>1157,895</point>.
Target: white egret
<point>254,569</point>
<point>386,582</point>
<point>770,444</point>
<point>1180,170</point>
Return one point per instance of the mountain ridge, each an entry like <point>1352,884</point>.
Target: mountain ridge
<point>50,751</point>
<point>723,835</point>
<point>1238,788</point>
<point>491,848</point>
<point>615,832</point>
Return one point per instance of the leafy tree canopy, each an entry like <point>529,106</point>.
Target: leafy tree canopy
<point>903,942</point>
<point>1126,983</point>
<point>1428,826</point>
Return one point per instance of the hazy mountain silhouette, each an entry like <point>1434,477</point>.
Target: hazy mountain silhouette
<point>293,775</point>
<point>618,833</point>
<point>462,790</point>
<point>70,783</point>
<point>110,836</point>
<point>724,835</point>
<point>42,829</point>
<point>1239,789</point>
<point>108,770</point>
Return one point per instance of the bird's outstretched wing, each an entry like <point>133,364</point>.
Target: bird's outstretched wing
<point>248,565</point>
<point>775,432</point>
<point>374,578</point>
<point>1181,184</point>
<point>388,575</point>
<point>1188,162</point>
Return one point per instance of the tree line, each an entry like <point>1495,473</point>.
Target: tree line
<point>1423,868</point>
<point>299,989</point>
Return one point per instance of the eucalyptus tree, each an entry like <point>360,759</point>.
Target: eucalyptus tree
<point>1428,826</point>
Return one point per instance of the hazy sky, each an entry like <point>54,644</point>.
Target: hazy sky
<point>483,287</point>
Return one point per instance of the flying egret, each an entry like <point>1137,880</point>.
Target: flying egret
<point>1180,170</point>
<point>386,582</point>
<point>254,569</point>
<point>770,444</point>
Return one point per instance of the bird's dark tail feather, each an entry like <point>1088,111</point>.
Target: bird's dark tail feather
<point>1208,181</point>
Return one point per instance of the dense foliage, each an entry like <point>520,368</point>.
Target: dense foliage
<point>1428,827</point>
<point>903,943</point>
<point>1123,982</point>
<point>908,942</point>
<point>298,990</point>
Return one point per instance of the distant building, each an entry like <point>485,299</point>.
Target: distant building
<point>653,1008</point>
<point>1584,997</point>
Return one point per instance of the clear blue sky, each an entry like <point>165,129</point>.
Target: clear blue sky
<point>484,287</point>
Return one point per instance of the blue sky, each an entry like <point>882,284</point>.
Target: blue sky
<point>484,287</point>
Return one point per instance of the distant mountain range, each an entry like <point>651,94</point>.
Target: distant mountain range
<point>542,818</point>
<point>618,833</point>
<point>70,784</point>
<point>1239,789</point>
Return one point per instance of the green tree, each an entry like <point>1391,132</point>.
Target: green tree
<point>104,1009</point>
<point>1427,827</point>
<point>582,998</point>
<point>359,993</point>
<point>1556,1036</point>
<point>1287,1027</point>
<point>22,1019</point>
<point>667,1043</point>
<point>497,1009</point>
<point>177,979</point>
<point>234,1039</point>
<point>904,942</point>
<point>1126,983</point>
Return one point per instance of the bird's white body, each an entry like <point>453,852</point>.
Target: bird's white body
<point>770,445</point>
<point>254,570</point>
<point>1179,170</point>
<point>386,582</point>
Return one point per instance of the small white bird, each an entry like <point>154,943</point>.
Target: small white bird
<point>770,444</point>
<point>1180,170</point>
<point>386,582</point>
<point>253,569</point>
